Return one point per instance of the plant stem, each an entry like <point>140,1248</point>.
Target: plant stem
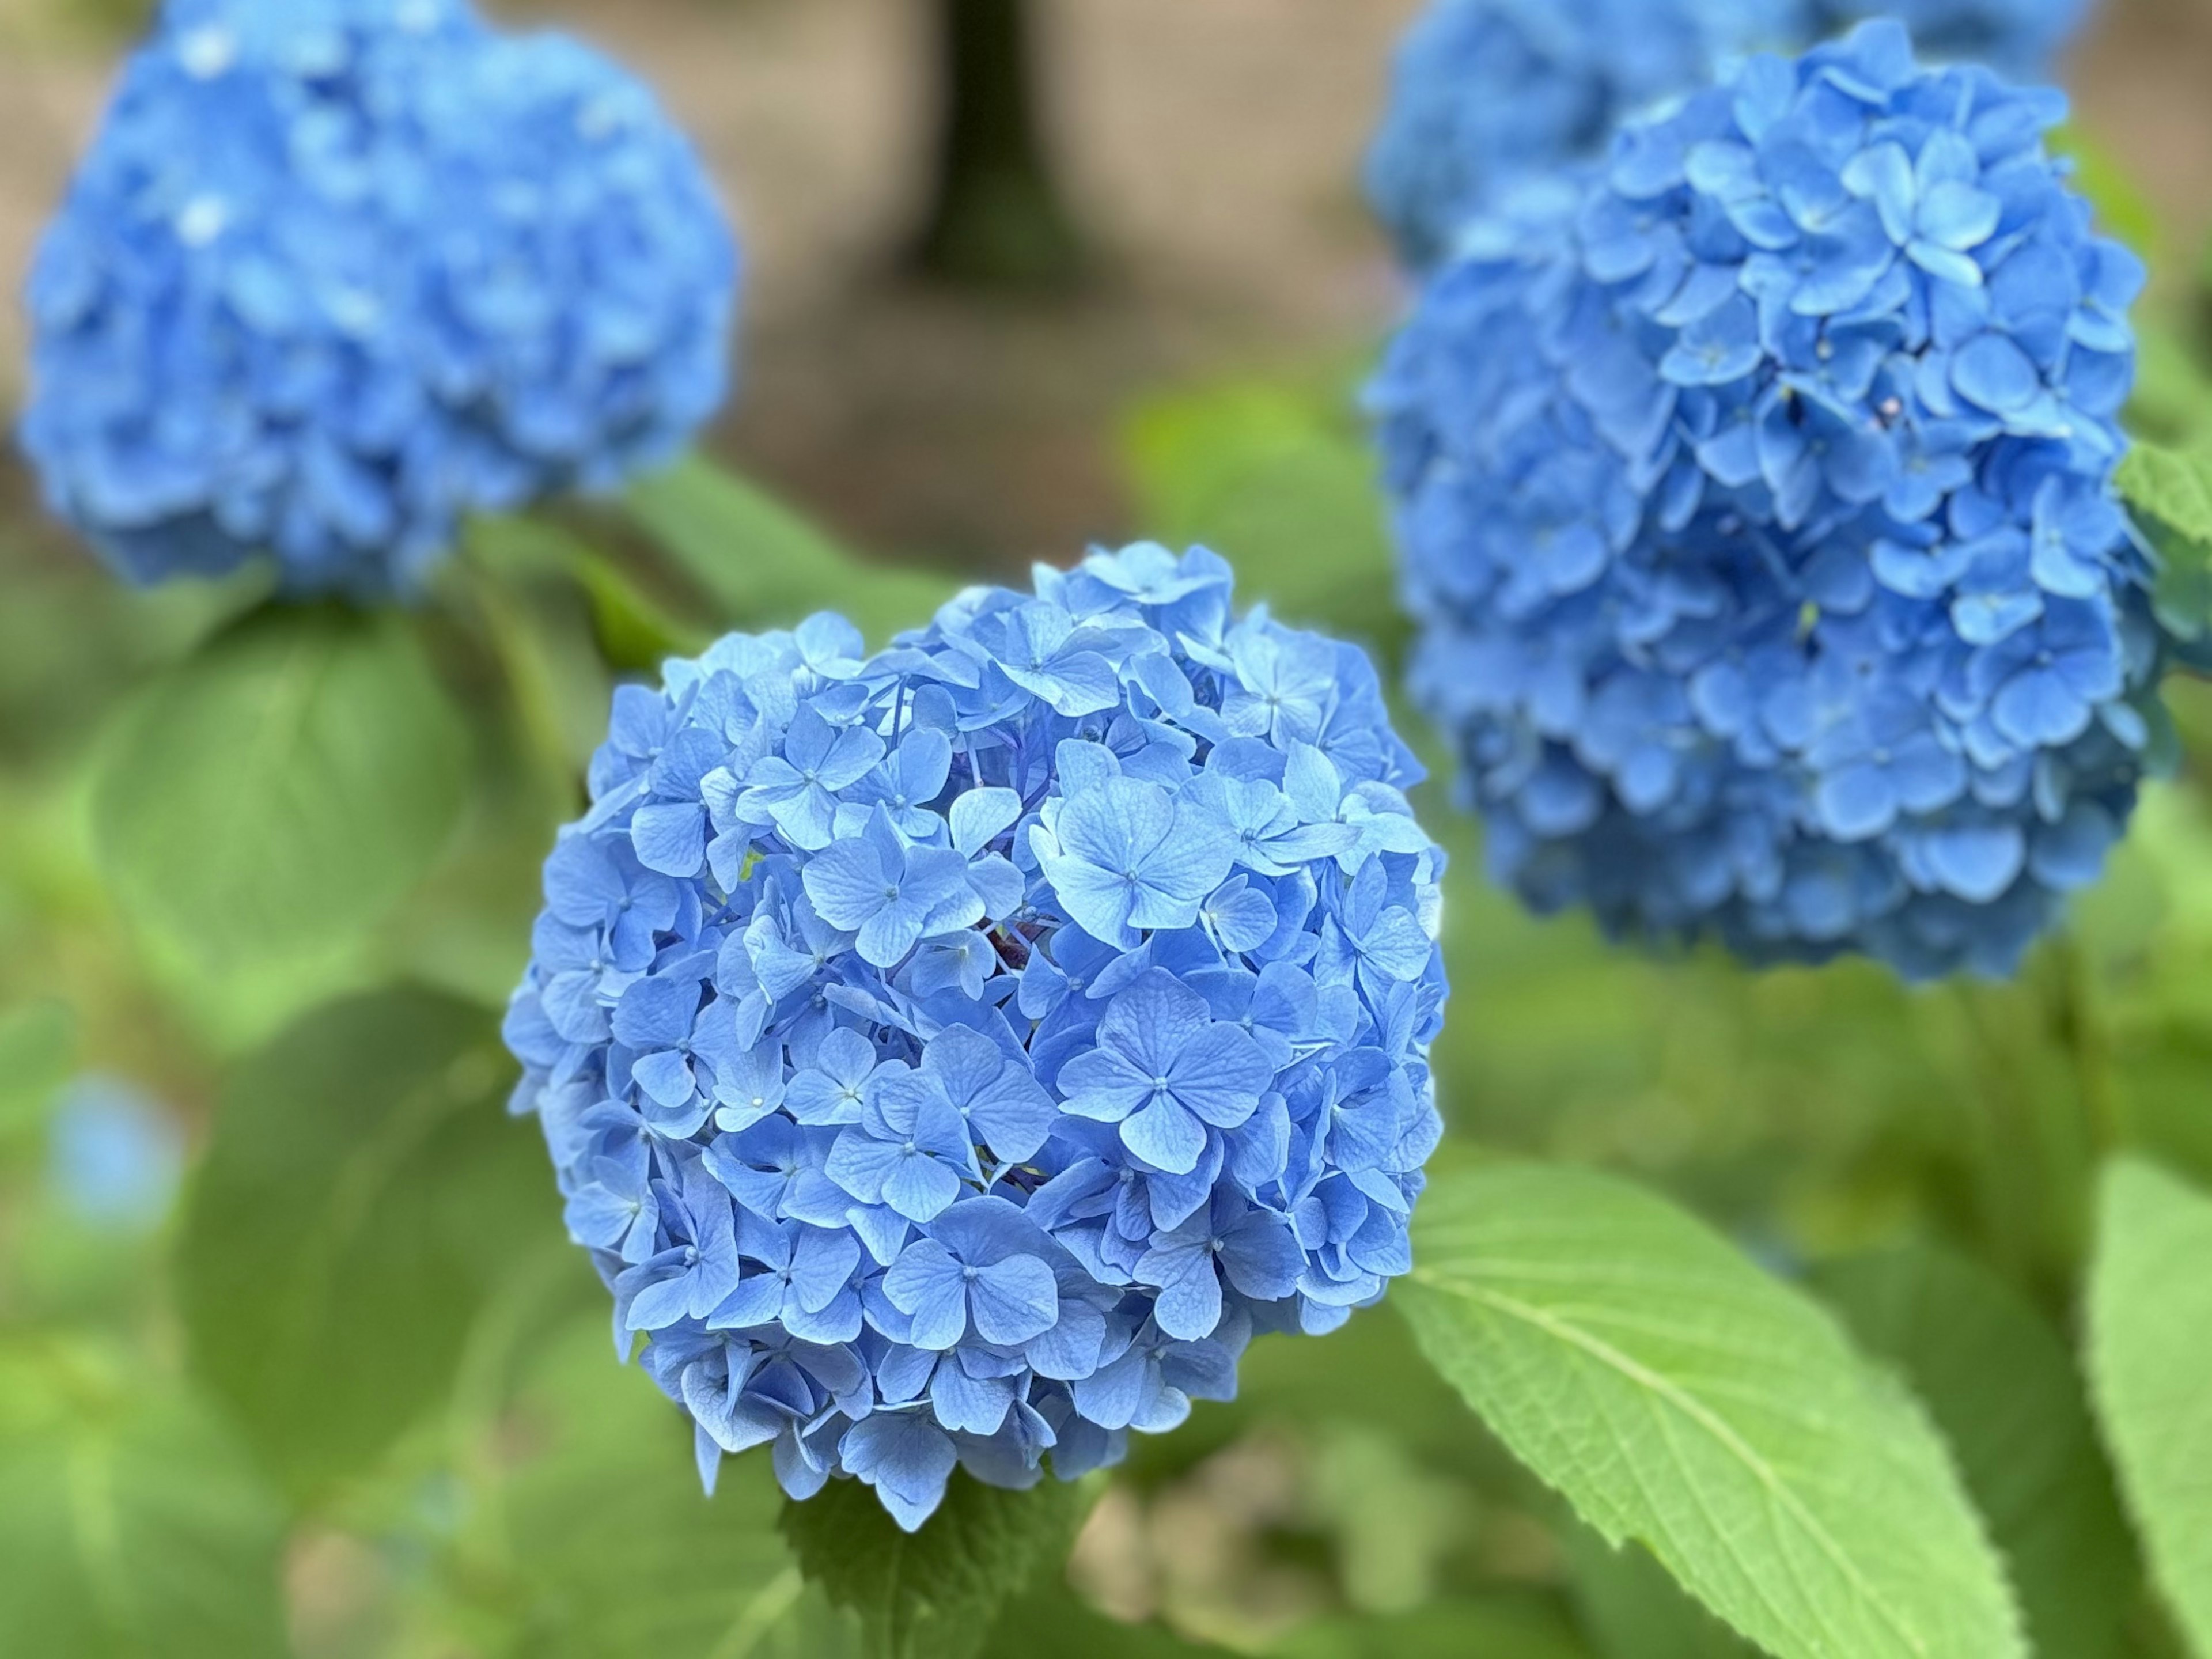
<point>532,695</point>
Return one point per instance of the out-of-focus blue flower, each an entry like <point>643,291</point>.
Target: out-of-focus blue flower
<point>114,1155</point>
<point>1491,99</point>
<point>2019,37</point>
<point>1491,95</point>
<point>336,272</point>
<point>952,1056</point>
<point>1758,516</point>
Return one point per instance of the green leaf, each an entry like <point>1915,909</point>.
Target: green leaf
<point>1450,1628</point>
<point>763,566</point>
<point>2150,1358</point>
<point>38,1044</point>
<point>1278,478</point>
<point>636,629</point>
<point>1055,1618</point>
<point>2172,403</point>
<point>932,1594</point>
<point>1678,1396</point>
<point>1632,1608</point>
<point>2169,487</point>
<point>2172,485</point>
<point>2001,1387</point>
<point>131,1522</point>
<point>276,795</point>
<point>363,1192</point>
<point>605,1544</point>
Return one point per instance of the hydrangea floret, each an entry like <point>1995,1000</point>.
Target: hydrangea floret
<point>2015,37</point>
<point>1488,97</point>
<point>1491,98</point>
<point>1758,517</point>
<point>953,1056</point>
<point>336,272</point>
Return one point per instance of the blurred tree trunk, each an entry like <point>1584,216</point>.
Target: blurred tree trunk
<point>997,216</point>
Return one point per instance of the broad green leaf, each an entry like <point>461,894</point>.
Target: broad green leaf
<point>933,1594</point>
<point>519,582</point>
<point>276,795</point>
<point>362,1191</point>
<point>37,1041</point>
<point>1457,1627</point>
<point>2172,485</point>
<point>601,1541</point>
<point>1632,1608</point>
<point>132,1523</point>
<point>2172,403</point>
<point>1278,479</point>
<point>2183,597</point>
<point>1053,1621</point>
<point>1678,1396</point>
<point>2150,1370</point>
<point>636,629</point>
<point>2004,1389</point>
<point>466,929</point>
<point>763,566</point>
<point>2171,492</point>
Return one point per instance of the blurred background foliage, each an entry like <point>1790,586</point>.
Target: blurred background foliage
<point>339,1388</point>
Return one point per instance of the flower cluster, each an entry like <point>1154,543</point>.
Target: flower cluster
<point>1759,519</point>
<point>2019,37</point>
<point>956,1054</point>
<point>115,1156</point>
<point>336,272</point>
<point>1491,95</point>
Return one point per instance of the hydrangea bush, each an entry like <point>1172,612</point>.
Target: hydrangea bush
<point>1759,519</point>
<point>956,1054</point>
<point>1493,97</point>
<point>335,272</point>
<point>1490,95</point>
<point>2019,37</point>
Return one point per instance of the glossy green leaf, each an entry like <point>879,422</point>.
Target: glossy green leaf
<point>2150,1368</point>
<point>764,566</point>
<point>933,1594</point>
<point>131,1522</point>
<point>276,794</point>
<point>2004,1389</point>
<point>1677,1396</point>
<point>362,1191</point>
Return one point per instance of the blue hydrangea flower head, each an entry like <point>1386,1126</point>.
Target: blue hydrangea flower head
<point>2018,37</point>
<point>336,272</point>
<point>114,1155</point>
<point>1489,95</point>
<point>953,1055</point>
<point>1758,516</point>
